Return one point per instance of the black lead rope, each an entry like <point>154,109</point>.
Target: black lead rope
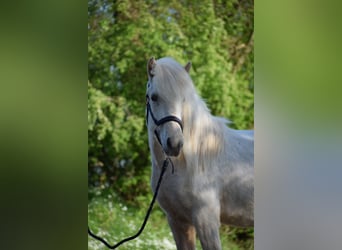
<point>165,164</point>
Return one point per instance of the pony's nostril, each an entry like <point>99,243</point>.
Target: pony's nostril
<point>168,142</point>
<point>174,146</point>
<point>180,144</point>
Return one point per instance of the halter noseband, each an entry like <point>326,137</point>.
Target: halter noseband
<point>169,118</point>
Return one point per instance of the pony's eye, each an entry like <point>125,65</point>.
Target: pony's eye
<point>154,97</point>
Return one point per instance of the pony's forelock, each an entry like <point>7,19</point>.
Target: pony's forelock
<point>171,78</point>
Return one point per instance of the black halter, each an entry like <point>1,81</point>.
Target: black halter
<point>169,118</point>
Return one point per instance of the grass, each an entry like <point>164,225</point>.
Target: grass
<point>112,219</point>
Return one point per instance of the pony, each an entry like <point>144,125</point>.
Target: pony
<point>212,180</point>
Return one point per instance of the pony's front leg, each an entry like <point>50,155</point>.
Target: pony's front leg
<point>183,233</point>
<point>207,224</point>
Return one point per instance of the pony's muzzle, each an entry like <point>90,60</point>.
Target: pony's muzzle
<point>174,146</point>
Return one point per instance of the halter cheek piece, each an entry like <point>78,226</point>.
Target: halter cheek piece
<point>169,118</point>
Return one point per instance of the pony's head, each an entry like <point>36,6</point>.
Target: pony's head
<point>166,89</point>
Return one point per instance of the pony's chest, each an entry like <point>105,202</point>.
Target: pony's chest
<point>174,194</point>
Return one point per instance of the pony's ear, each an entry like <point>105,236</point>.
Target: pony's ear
<point>187,67</point>
<point>150,66</point>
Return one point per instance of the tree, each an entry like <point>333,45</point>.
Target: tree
<point>216,36</point>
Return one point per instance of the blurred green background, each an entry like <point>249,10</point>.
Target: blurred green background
<point>217,37</point>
